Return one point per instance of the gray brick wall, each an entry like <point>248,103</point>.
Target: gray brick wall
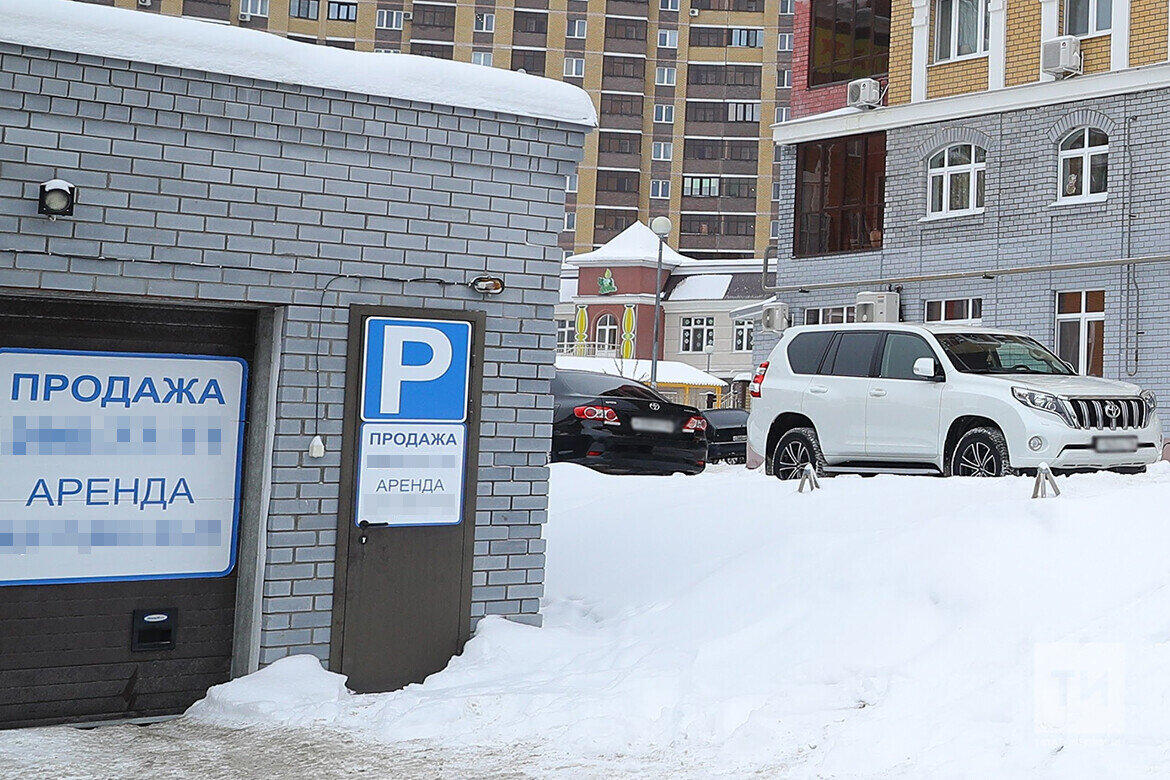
<point>221,189</point>
<point>1021,226</point>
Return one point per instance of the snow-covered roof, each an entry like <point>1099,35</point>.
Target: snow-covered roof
<point>705,287</point>
<point>671,372</point>
<point>64,25</point>
<point>637,243</point>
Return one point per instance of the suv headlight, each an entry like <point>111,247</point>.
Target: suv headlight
<point>1044,402</point>
<point>1150,399</point>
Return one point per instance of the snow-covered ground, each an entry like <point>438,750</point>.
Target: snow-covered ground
<point>726,625</point>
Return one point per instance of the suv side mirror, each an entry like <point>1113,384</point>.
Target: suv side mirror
<point>925,367</point>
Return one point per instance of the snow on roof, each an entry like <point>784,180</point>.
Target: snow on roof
<point>704,287</point>
<point>671,372</point>
<point>636,243</point>
<point>63,25</point>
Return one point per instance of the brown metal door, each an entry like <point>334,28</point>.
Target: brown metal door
<point>402,595</point>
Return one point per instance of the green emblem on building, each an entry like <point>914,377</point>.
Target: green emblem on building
<point>606,284</point>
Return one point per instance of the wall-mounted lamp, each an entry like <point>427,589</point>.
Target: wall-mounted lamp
<point>488,285</point>
<point>57,198</point>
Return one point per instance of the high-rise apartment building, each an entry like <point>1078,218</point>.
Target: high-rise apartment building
<point>686,91</point>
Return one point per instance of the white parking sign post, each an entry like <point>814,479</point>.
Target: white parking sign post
<point>412,452</point>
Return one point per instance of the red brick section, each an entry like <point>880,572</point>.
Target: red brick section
<point>804,100</point>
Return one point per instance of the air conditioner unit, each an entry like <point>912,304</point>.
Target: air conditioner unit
<point>244,17</point>
<point>864,93</point>
<point>879,307</point>
<point>1061,57</point>
<point>407,16</point>
<point>774,317</point>
<point>145,3</point>
<point>694,12</point>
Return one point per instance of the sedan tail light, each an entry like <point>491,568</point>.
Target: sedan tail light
<point>598,413</point>
<point>695,424</point>
<point>757,380</point>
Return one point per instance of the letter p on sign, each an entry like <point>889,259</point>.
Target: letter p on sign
<point>415,370</point>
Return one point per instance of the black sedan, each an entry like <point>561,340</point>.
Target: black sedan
<point>726,435</point>
<point>620,426</point>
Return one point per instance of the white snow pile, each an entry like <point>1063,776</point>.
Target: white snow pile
<point>64,25</point>
<point>878,628</point>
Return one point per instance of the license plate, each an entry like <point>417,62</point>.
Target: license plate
<point>1115,443</point>
<point>651,425</point>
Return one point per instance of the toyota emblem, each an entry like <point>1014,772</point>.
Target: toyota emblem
<point>655,406</point>
<point>1112,410</point>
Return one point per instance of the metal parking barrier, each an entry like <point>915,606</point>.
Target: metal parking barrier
<point>808,478</point>
<point>1044,480</point>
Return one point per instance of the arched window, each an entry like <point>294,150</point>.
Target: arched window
<point>1084,165</point>
<point>955,178</point>
<point>607,333</point>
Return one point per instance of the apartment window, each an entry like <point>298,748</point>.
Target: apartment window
<point>775,190</point>
<point>784,78</point>
<point>574,67</point>
<point>783,113</point>
<point>571,183</point>
<point>528,61</point>
<point>435,16</point>
<point>830,315</point>
<point>956,180</point>
<point>388,51</point>
<point>742,335</point>
<point>485,23</point>
<point>703,149</point>
<point>254,7</point>
<point>747,151</point>
<point>607,332</point>
<point>619,143</point>
<point>742,76</point>
<point>566,254</point>
<point>840,191</point>
<point>667,5</point>
<point>664,113</point>
<point>1084,153</point>
<point>661,150</point>
<point>697,332</point>
<point>786,7</point>
<point>738,225</point>
<point>624,67</point>
<point>1080,330</point>
<point>784,42</point>
<point>850,39</point>
<point>708,36</point>
<point>617,181</point>
<point>439,51</point>
<point>481,58</point>
<point>699,224</point>
<point>570,220</point>
<point>665,77</point>
<point>1087,17</point>
<point>659,188</point>
<point>700,186</point>
<point>706,112</point>
<point>309,9</point>
<point>576,29</point>
<point>774,230</point>
<point>614,221</point>
<point>530,23</point>
<point>965,311</point>
<point>668,39</point>
<point>344,12</point>
<point>743,112</point>
<point>625,29</point>
<point>704,74</point>
<point>745,38</point>
<point>566,335</point>
<point>622,105</point>
<point>960,28</point>
<point>739,188</point>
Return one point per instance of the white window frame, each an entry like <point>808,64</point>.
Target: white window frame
<point>571,182</point>
<point>743,336</point>
<point>981,33</point>
<point>942,304</point>
<point>1092,28</point>
<point>570,221</point>
<point>254,7</point>
<point>660,188</point>
<point>664,113</point>
<point>606,332</point>
<point>668,39</point>
<point>774,229</point>
<point>783,114</point>
<point>575,67</point>
<point>695,327</point>
<point>745,38</point>
<point>1085,154</point>
<point>667,5</point>
<point>776,189</point>
<point>708,186</point>
<point>482,58</point>
<point>485,22</point>
<point>578,28</point>
<point>784,78</point>
<point>665,76</point>
<point>848,314</point>
<point>1083,318</point>
<point>390,20</point>
<point>976,171</point>
<point>743,111</point>
<point>784,42</point>
<point>787,7</point>
<point>662,150</point>
<point>566,334</point>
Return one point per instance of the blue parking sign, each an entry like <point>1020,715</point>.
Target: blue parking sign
<point>415,370</point>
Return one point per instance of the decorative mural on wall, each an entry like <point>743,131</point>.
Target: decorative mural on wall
<point>582,330</point>
<point>629,328</point>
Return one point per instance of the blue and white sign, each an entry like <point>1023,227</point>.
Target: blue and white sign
<point>413,449</point>
<point>118,466</point>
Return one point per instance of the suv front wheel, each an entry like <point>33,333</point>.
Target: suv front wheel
<point>980,452</point>
<point>797,449</point>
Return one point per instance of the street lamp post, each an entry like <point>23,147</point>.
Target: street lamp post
<point>661,227</point>
<point>709,349</point>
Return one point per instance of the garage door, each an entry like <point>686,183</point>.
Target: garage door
<point>117,594</point>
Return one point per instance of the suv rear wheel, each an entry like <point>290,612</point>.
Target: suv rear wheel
<point>980,452</point>
<point>797,449</point>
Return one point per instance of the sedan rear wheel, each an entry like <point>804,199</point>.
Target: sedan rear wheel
<point>797,449</point>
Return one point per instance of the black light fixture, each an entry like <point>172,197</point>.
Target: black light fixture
<point>488,285</point>
<point>57,198</point>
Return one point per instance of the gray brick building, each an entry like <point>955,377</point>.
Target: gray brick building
<point>292,203</point>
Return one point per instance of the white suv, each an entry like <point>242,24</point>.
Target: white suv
<point>968,401</point>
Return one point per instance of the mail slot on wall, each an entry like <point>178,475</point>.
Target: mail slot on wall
<point>154,629</point>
